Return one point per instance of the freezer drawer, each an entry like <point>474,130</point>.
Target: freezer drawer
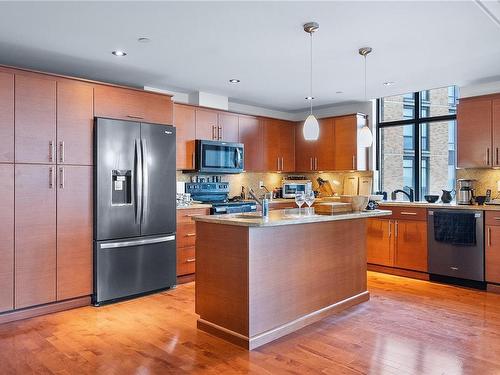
<point>124,268</point>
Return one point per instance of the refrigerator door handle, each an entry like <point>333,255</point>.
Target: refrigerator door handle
<point>114,245</point>
<point>145,180</point>
<point>138,182</point>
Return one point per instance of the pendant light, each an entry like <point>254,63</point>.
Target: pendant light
<point>365,134</point>
<point>311,125</point>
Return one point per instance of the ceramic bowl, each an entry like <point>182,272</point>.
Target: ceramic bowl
<point>358,202</point>
<point>431,198</point>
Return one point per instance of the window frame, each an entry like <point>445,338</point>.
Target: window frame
<point>417,121</point>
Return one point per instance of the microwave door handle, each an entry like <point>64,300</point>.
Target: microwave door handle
<point>237,158</point>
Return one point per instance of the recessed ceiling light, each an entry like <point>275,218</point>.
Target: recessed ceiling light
<point>234,80</point>
<point>388,83</point>
<point>309,97</point>
<point>119,53</point>
<point>143,40</point>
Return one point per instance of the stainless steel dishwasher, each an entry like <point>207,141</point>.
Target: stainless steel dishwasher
<point>459,261</point>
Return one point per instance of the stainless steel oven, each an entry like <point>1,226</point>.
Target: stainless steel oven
<point>219,157</point>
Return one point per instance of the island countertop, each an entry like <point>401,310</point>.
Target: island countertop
<point>285,217</point>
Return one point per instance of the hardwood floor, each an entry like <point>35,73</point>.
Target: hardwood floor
<point>408,327</point>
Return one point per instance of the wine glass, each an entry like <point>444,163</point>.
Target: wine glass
<point>309,198</point>
<point>300,199</point>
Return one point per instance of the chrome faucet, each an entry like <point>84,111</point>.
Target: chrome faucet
<point>410,195</point>
<point>264,202</point>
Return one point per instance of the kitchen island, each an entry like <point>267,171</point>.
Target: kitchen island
<point>260,279</point>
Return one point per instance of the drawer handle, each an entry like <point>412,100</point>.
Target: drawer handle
<point>191,260</point>
<point>408,213</point>
<point>134,116</point>
<point>189,215</point>
<point>497,218</point>
<point>190,234</point>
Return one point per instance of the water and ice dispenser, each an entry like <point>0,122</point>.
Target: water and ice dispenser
<point>121,189</point>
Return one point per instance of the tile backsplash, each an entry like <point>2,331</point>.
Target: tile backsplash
<point>486,179</point>
<point>272,180</point>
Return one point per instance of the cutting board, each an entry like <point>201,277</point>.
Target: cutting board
<point>350,185</point>
<point>365,185</point>
<point>329,208</point>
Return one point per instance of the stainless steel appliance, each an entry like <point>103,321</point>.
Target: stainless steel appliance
<point>134,209</point>
<point>456,245</point>
<point>216,193</point>
<point>465,191</point>
<point>219,157</point>
<point>290,187</point>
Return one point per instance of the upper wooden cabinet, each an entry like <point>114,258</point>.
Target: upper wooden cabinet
<point>315,155</point>
<point>250,134</point>
<point>6,117</point>
<point>35,234</point>
<point>35,119</point>
<point>496,132</point>
<point>75,119</point>
<point>7,236</point>
<point>207,124</point>
<point>475,133</point>
<point>279,145</point>
<point>347,154</point>
<point>185,123</point>
<point>216,125</point>
<point>133,105</point>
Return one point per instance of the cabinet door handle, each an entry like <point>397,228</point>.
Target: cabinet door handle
<point>190,234</point>
<point>408,213</point>
<point>192,161</point>
<point>354,162</point>
<point>488,156</point>
<point>278,159</point>
<point>221,134</point>
<point>497,155</point>
<point>214,130</point>
<point>51,151</point>
<point>282,164</point>
<point>315,164</point>
<point>489,237</point>
<point>135,116</point>
<point>390,225</point>
<point>191,260</point>
<point>51,177</point>
<point>311,162</point>
<point>61,178</point>
<point>61,151</point>
<point>396,228</point>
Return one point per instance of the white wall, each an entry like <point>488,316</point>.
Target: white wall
<point>480,89</point>
<point>260,111</point>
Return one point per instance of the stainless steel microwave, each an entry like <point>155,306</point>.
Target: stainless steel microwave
<point>290,187</point>
<point>219,157</point>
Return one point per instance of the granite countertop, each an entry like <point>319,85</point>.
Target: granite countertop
<point>452,205</point>
<point>194,205</point>
<point>284,217</point>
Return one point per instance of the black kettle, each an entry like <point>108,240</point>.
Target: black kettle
<point>447,197</point>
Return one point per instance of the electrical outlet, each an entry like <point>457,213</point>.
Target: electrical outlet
<point>261,184</point>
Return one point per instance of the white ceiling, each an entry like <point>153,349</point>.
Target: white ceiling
<point>200,45</point>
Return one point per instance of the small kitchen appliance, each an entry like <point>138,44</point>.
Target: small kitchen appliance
<point>465,191</point>
<point>219,157</point>
<point>293,184</point>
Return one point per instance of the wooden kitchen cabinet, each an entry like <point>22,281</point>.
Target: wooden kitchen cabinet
<point>492,254</point>
<point>185,126</point>
<point>347,154</point>
<point>7,237</point>
<point>474,133</point>
<point>74,231</point>
<point>6,117</point>
<point>75,120</point>
<point>186,240</point>
<point>316,155</point>
<point>35,234</point>
<point>411,245</point>
<point>133,105</point>
<point>250,134</point>
<point>496,132</point>
<point>279,145</point>
<point>35,119</point>
<point>207,124</point>
<point>379,242</point>
<point>228,127</point>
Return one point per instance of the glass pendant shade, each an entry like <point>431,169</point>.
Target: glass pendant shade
<point>365,137</point>
<point>311,128</point>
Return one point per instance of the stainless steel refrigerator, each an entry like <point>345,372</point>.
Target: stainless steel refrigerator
<point>134,209</point>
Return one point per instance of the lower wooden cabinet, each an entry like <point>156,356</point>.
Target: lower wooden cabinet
<point>7,237</point>
<point>186,240</point>
<point>35,235</point>
<point>492,248</point>
<point>397,243</point>
<point>74,232</point>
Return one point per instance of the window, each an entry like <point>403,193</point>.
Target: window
<point>416,147</point>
